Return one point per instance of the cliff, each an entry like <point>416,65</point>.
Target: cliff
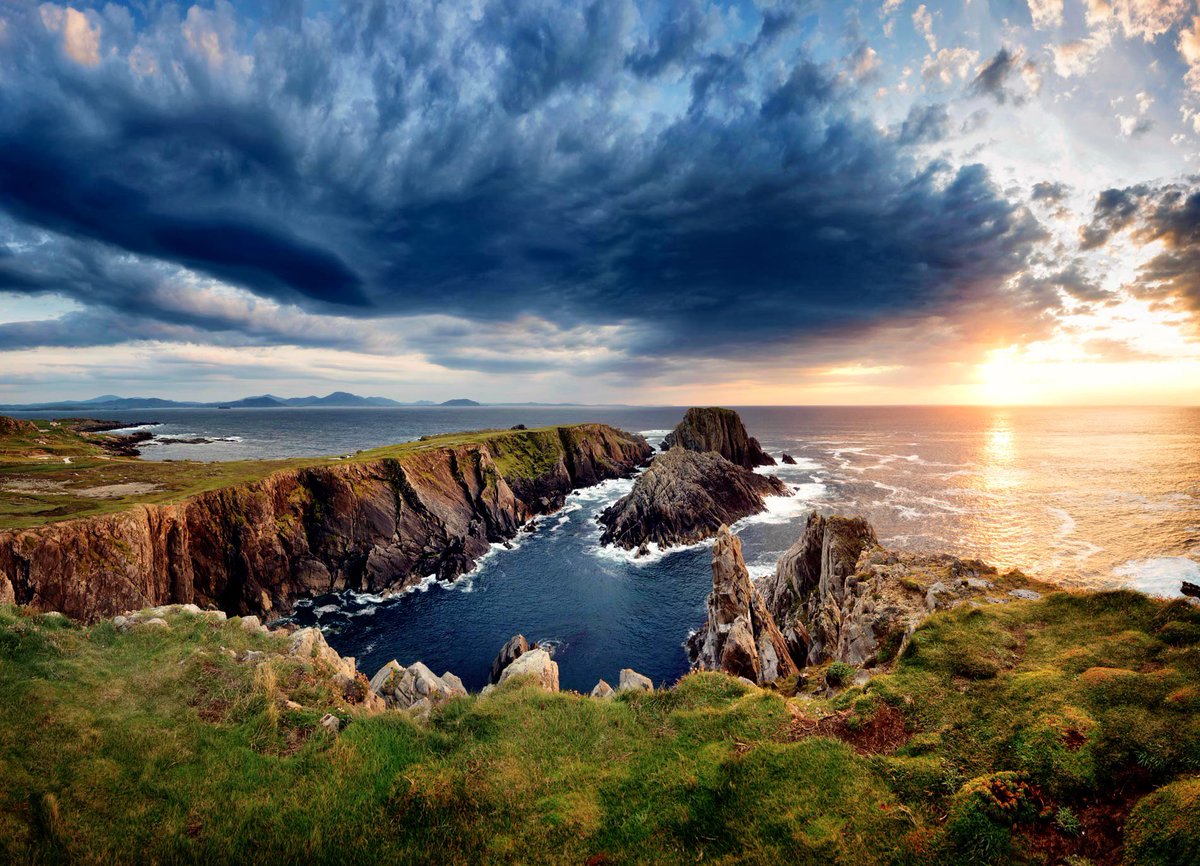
<point>685,497</point>
<point>375,524</point>
<point>837,595</point>
<point>720,430</point>
<point>740,636</point>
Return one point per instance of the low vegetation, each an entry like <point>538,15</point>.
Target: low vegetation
<point>55,473</point>
<point>1065,730</point>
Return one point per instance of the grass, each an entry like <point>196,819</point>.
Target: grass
<point>38,486</point>
<point>155,745</point>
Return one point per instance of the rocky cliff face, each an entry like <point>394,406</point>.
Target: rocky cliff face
<point>720,430</point>
<point>685,497</point>
<point>740,636</point>
<point>255,548</point>
<point>836,595</point>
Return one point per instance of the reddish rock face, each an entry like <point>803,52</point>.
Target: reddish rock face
<point>256,548</point>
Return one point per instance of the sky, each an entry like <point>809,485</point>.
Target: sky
<point>636,202</point>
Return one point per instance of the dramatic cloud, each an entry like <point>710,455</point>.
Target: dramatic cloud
<point>1168,215</point>
<point>602,165</point>
<point>625,191</point>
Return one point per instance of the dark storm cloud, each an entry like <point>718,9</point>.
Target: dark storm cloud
<point>925,124</point>
<point>1050,191</point>
<point>1169,214</point>
<point>992,79</point>
<point>601,164</point>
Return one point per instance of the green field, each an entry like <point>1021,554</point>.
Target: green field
<point>1025,732</point>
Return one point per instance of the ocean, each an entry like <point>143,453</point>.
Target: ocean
<point>1084,497</point>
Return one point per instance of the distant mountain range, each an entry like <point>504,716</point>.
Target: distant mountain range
<point>111,402</point>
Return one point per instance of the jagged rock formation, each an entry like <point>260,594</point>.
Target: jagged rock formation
<point>788,460</point>
<point>415,687</point>
<point>685,497</point>
<point>373,525</point>
<point>740,636</point>
<point>509,653</point>
<point>836,595</point>
<point>720,430</point>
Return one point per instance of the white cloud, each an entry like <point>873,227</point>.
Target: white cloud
<point>1189,48</point>
<point>949,65</point>
<point>923,21</point>
<point>1046,13</point>
<point>80,37</point>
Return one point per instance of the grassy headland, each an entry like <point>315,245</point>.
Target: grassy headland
<point>1035,732</point>
<point>56,473</point>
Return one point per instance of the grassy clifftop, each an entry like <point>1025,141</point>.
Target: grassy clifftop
<point>1028,732</point>
<point>55,473</point>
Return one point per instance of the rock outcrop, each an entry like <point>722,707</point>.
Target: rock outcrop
<point>376,525</point>
<point>685,497</point>
<point>536,663</point>
<point>632,681</point>
<point>414,687</point>
<point>16,427</point>
<point>740,636</point>
<point>836,595</point>
<point>512,650</point>
<point>720,430</point>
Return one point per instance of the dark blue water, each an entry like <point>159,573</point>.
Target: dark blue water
<point>1083,497</point>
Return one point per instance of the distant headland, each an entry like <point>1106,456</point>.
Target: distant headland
<point>342,399</point>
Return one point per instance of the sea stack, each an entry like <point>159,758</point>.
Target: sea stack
<point>685,497</point>
<point>716,429</point>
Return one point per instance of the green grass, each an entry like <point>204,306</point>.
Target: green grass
<point>37,486</point>
<point>1028,721</point>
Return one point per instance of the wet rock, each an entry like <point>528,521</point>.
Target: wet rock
<point>516,646</point>
<point>537,663</point>
<point>685,497</point>
<point>788,459</point>
<point>720,430</point>
<point>740,636</point>
<point>1190,589</point>
<point>632,681</point>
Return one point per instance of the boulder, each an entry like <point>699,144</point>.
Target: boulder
<point>155,622</point>
<point>685,497</point>
<point>740,636</point>
<point>1190,589</point>
<point>331,723</point>
<point>1026,594</point>
<point>537,663</point>
<point>309,643</point>
<point>720,430</point>
<point>602,690</point>
<point>632,681</point>
<point>252,623</point>
<point>403,688</point>
<point>788,459</point>
<point>510,652</point>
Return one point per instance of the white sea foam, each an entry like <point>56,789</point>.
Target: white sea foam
<point>1160,575</point>
<point>326,608</point>
<point>785,509</point>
